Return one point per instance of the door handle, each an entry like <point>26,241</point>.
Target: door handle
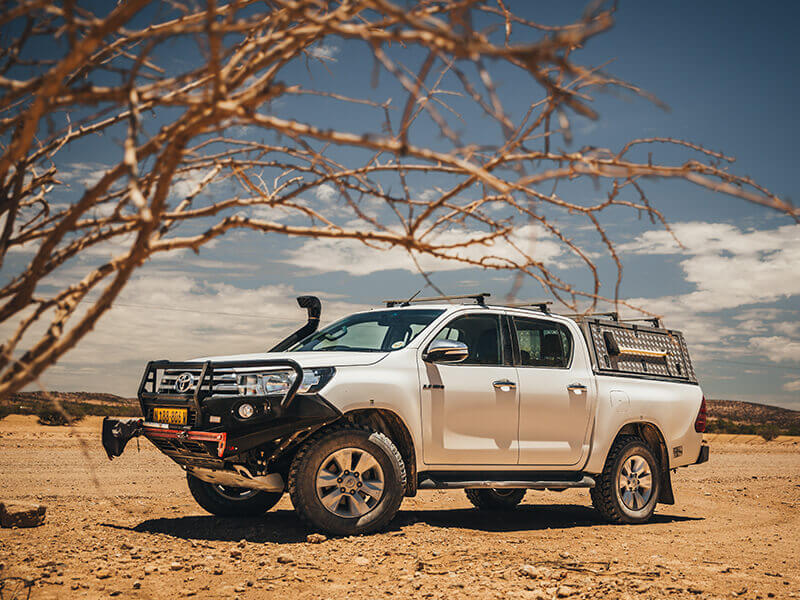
<point>504,385</point>
<point>578,388</point>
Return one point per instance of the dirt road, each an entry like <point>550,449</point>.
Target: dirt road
<point>130,529</point>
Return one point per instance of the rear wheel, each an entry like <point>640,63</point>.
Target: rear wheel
<point>495,498</point>
<point>348,480</point>
<point>225,501</point>
<point>627,490</point>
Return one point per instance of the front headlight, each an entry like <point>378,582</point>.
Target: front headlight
<point>278,383</point>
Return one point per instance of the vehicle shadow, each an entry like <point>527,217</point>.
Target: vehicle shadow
<point>279,526</point>
<point>283,526</point>
<point>526,517</point>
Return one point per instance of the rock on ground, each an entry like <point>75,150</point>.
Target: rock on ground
<point>21,515</point>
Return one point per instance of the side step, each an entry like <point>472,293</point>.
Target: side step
<point>429,481</point>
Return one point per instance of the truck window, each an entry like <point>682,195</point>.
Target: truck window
<point>376,331</point>
<point>481,334</point>
<point>542,343</point>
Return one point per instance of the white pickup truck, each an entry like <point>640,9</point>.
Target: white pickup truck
<point>495,400</point>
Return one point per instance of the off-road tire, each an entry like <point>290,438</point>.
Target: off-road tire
<point>606,494</point>
<point>308,461</point>
<point>495,499</point>
<point>211,500</point>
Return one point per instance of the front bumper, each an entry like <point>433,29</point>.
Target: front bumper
<point>215,438</point>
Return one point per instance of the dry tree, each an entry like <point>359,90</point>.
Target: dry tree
<point>208,96</point>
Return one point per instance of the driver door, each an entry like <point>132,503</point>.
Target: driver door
<point>470,410</point>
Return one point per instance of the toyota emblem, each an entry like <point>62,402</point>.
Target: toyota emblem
<point>184,383</point>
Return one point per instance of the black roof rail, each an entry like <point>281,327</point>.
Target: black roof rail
<point>479,299</point>
<point>578,316</point>
<point>654,321</point>
<point>542,305</point>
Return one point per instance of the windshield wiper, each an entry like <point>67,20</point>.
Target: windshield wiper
<point>346,349</point>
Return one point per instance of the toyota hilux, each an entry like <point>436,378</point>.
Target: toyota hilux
<point>437,393</point>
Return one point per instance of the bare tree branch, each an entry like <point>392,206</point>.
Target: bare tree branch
<point>216,121</point>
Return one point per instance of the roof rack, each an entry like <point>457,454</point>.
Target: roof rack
<point>614,316</point>
<point>542,305</point>
<point>479,299</point>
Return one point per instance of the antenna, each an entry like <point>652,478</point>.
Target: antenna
<point>407,302</point>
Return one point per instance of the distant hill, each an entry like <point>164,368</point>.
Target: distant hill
<point>75,404</point>
<point>86,397</point>
<point>734,416</point>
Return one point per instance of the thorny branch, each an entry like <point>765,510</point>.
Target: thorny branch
<point>203,96</point>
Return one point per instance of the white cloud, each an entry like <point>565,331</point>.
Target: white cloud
<point>188,183</point>
<point>792,386</point>
<point>700,237</point>
<point>788,328</point>
<point>356,258</point>
<point>325,51</point>
<point>762,320</point>
<point>325,192</point>
<point>777,348</point>
<point>168,315</point>
<point>85,173</point>
<point>430,194</point>
<point>729,267</point>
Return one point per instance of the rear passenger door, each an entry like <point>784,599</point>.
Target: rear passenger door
<point>556,393</point>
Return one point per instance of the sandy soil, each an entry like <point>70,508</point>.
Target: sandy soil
<point>130,529</point>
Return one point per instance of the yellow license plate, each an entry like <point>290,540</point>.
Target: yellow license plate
<point>173,416</point>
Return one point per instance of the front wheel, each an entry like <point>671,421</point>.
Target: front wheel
<point>225,501</point>
<point>627,490</point>
<point>495,498</point>
<point>348,480</point>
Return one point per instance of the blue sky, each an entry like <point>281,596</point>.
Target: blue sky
<point>728,73</point>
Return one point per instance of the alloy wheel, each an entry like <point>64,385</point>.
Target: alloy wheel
<point>350,482</point>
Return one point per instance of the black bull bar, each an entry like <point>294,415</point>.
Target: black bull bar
<point>200,444</point>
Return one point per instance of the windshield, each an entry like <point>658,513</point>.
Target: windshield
<point>377,331</point>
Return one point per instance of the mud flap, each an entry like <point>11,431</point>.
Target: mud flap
<point>703,456</point>
<point>117,433</point>
<point>666,496</point>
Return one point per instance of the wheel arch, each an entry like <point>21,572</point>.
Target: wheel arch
<point>654,438</point>
<point>395,428</point>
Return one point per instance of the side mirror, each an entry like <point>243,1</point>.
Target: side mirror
<point>446,351</point>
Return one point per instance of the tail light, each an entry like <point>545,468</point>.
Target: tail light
<point>702,417</point>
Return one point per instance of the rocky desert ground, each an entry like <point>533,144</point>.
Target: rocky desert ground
<point>130,529</point>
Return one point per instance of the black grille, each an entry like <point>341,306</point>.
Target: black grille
<point>157,388</point>
<point>223,383</point>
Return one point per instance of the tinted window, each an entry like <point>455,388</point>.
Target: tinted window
<point>543,344</point>
<point>376,331</point>
<point>481,334</point>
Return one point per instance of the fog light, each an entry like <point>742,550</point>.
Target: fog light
<point>246,410</point>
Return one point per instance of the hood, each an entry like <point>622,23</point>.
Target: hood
<point>308,359</point>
